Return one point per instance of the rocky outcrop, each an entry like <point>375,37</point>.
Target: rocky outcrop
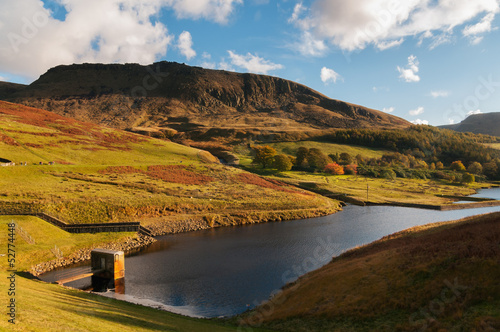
<point>192,100</point>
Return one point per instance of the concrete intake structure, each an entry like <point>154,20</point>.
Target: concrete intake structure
<point>108,267</point>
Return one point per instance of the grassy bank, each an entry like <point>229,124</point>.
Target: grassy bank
<point>437,277</point>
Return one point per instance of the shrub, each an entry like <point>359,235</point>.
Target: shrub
<point>468,178</point>
<point>388,174</point>
<point>351,169</point>
<point>334,168</point>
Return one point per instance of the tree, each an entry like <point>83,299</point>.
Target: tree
<point>388,174</point>
<point>468,178</point>
<point>490,169</point>
<point>334,168</point>
<point>301,160</point>
<point>282,163</point>
<point>264,155</point>
<point>317,160</point>
<point>345,158</point>
<point>457,166</point>
<point>351,169</point>
<point>439,165</point>
<point>475,168</point>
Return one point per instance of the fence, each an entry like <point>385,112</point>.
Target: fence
<point>84,228</point>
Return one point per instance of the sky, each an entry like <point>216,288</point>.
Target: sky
<point>428,61</point>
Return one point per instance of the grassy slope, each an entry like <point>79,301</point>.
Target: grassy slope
<point>328,148</point>
<point>80,188</point>
<point>493,145</point>
<point>402,282</point>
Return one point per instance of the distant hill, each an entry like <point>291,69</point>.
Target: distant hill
<point>486,123</point>
<point>438,277</point>
<point>171,97</point>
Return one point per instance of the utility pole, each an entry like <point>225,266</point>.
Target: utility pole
<point>367,191</point>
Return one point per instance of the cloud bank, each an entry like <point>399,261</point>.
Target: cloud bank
<point>353,25</point>
<point>95,31</point>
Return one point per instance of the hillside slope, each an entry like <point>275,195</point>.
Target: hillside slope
<point>107,175</point>
<point>487,124</point>
<point>438,277</point>
<point>171,97</point>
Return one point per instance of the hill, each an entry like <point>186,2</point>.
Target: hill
<point>85,173</point>
<point>486,123</point>
<point>165,98</point>
<point>441,276</point>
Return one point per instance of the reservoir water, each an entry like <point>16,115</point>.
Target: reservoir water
<point>224,271</point>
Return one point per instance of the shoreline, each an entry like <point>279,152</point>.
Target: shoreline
<point>198,223</point>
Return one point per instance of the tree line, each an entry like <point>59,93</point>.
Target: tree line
<point>417,152</point>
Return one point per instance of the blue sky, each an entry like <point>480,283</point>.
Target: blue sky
<point>428,61</point>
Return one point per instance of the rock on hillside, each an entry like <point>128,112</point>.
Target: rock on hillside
<point>172,97</point>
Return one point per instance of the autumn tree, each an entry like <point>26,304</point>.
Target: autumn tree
<point>345,158</point>
<point>351,169</point>
<point>475,168</point>
<point>490,169</point>
<point>468,178</point>
<point>457,166</point>
<point>282,163</point>
<point>264,155</point>
<point>334,168</point>
<point>317,160</point>
<point>301,155</point>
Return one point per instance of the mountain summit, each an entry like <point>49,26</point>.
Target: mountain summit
<point>175,97</point>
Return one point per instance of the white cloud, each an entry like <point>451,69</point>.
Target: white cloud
<point>206,56</point>
<point>475,31</point>
<point>208,65</point>
<point>384,45</point>
<point>329,75</point>
<point>420,122</point>
<point>439,93</point>
<point>214,10</point>
<point>32,41</point>
<point>3,79</point>
<point>417,111</point>
<point>409,73</point>
<point>185,45</point>
<point>353,25</point>
<point>226,66</point>
<point>388,110</point>
<point>309,46</point>
<point>483,26</point>
<point>253,63</point>
<point>295,19</point>
<point>474,112</point>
